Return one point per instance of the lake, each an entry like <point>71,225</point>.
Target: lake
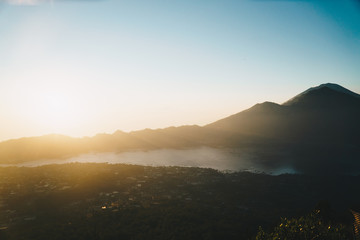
<point>203,157</point>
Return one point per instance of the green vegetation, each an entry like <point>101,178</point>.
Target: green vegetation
<point>103,201</point>
<point>312,226</point>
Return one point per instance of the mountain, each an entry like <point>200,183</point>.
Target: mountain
<point>318,113</point>
<point>323,87</point>
<point>316,131</point>
<point>44,147</point>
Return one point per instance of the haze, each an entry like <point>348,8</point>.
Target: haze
<point>83,67</point>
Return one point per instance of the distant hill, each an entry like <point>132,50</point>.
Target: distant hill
<point>316,131</point>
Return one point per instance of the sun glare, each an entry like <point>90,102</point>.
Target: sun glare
<point>53,111</point>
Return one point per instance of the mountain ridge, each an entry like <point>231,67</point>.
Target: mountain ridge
<point>319,125</point>
<point>332,86</point>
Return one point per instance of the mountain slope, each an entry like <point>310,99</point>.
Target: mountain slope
<point>323,87</point>
<point>319,129</point>
<point>260,120</point>
<point>317,113</point>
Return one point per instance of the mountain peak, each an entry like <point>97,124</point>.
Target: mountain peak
<point>327,92</point>
<point>265,106</point>
<point>335,87</point>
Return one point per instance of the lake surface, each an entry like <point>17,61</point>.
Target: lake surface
<point>204,157</point>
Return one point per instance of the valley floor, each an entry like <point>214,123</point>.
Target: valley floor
<point>106,201</point>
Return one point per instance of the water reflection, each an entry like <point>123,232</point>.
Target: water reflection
<point>204,157</point>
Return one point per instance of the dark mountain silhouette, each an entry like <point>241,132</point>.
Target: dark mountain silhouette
<point>316,114</point>
<point>319,128</point>
<point>328,86</point>
<point>317,131</point>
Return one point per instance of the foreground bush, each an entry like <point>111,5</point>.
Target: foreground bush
<point>313,226</point>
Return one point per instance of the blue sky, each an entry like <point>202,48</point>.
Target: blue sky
<point>84,67</point>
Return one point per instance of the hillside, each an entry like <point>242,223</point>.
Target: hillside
<point>116,201</point>
<point>319,128</point>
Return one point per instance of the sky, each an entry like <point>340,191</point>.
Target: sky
<point>96,66</point>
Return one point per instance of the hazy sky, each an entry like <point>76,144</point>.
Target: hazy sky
<point>83,67</point>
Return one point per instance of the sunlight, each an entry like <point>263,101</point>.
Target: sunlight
<point>56,107</point>
<point>54,111</point>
